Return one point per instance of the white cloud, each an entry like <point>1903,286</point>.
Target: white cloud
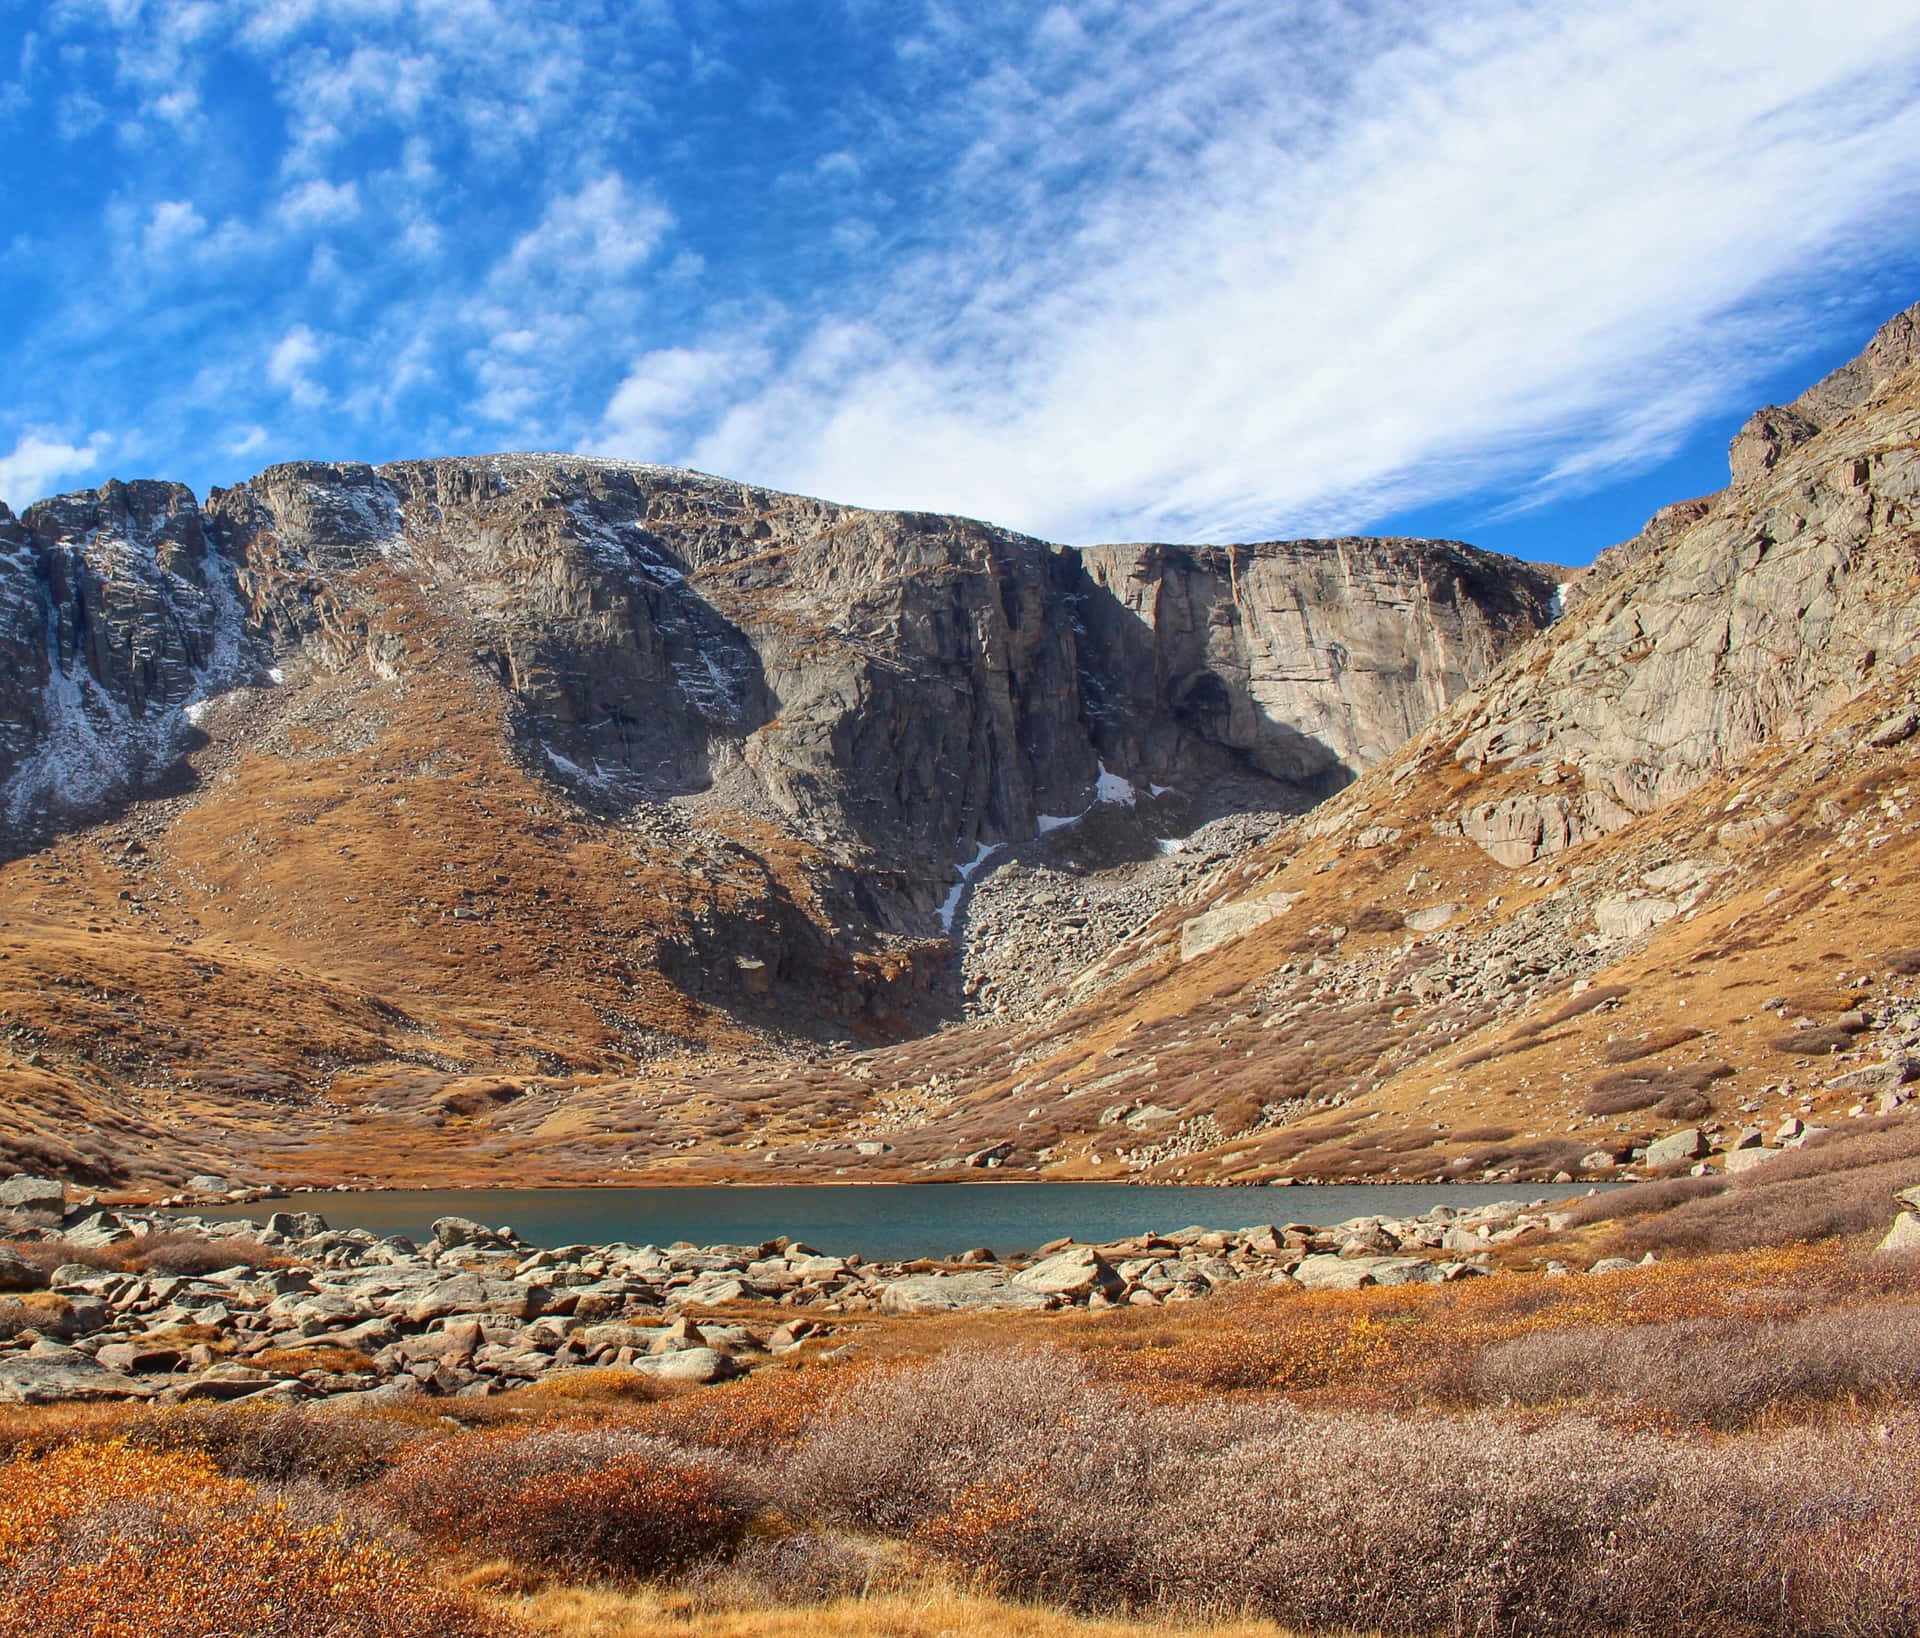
<point>564,291</point>
<point>171,228</point>
<point>39,460</point>
<point>288,366</point>
<point>602,232</point>
<point>670,386</point>
<point>1228,272</point>
<point>320,202</point>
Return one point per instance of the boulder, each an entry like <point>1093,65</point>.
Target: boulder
<point>1897,729</point>
<point>1686,1144</point>
<point>476,1294</point>
<point>17,1274</point>
<point>97,1231</point>
<point>709,1291</point>
<point>1744,1160</point>
<point>1072,1274</point>
<point>297,1225</point>
<point>1226,922</point>
<point>222,1382</point>
<point>1880,1077</point>
<point>698,1365</point>
<point>40,1195</point>
<point>59,1374</point>
<point>950,1293</point>
<point>463,1231</point>
<point>1628,916</point>
<point>1903,1239</point>
<point>1328,1272</point>
<point>136,1357</point>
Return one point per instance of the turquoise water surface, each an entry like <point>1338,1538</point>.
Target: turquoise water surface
<point>881,1221</point>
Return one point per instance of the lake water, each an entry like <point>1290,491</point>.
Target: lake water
<point>880,1221</point>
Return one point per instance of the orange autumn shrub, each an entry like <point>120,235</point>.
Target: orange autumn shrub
<point>586,1502</point>
<point>757,1417</point>
<point>1420,1345</point>
<point>103,1540</point>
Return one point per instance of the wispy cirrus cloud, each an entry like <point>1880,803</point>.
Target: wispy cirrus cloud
<point>1094,268</point>
<point>1222,270</point>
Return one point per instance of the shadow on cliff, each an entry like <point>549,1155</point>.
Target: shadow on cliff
<point>1157,710</point>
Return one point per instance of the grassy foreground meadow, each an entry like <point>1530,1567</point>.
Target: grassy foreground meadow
<point>1721,1441</point>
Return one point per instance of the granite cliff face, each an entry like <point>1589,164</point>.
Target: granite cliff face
<point>431,801</point>
<point>898,688</point>
<point>1306,661</point>
<point>117,615</point>
<point>1732,620</point>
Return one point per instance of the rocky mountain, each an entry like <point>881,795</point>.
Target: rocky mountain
<point>1642,899</point>
<point>349,786</point>
<point>541,819</point>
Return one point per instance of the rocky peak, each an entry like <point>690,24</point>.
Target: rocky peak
<point>1775,429</point>
<point>902,689</point>
<point>1729,621</point>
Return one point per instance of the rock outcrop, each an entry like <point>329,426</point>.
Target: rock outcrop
<point>1734,620</point>
<point>900,689</point>
<point>117,615</point>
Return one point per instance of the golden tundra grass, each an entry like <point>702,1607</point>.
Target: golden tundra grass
<point>936,1611</point>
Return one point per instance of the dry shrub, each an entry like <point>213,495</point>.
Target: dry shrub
<point>1573,1008</point>
<point>276,1445</point>
<point>1627,1090</point>
<point>903,1447</point>
<point>1016,1468</point>
<point>801,1567</point>
<point>1723,1372</point>
<point>1842,1182</point>
<point>193,1254</point>
<point>1649,1045</point>
<point>1813,1043</point>
<point>47,1255</point>
<point>107,1541</point>
<point>323,1356</point>
<point>1642,1199</point>
<point>1483,1134</point>
<point>1376,918</point>
<point>1677,1106</point>
<point>597,1503</point>
<point>1537,1157</point>
<point>759,1417</point>
<point>1906,962</point>
<point>1598,996</point>
<point>612,1385</point>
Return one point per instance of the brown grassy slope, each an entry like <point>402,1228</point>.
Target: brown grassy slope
<point>359,937</point>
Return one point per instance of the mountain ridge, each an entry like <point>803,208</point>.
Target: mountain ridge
<point>904,884</point>
<point>707,764</point>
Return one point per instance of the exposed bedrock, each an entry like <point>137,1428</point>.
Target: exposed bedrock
<point>900,689</point>
<point>1731,620</point>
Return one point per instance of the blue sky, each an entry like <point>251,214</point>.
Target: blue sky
<point>1105,269</point>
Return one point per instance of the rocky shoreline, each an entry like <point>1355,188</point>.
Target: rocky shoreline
<point>133,1304</point>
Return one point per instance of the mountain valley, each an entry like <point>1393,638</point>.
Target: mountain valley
<point>544,819</point>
